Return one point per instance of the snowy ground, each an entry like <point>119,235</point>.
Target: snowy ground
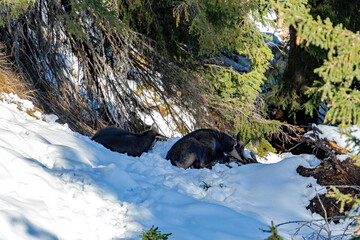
<point>58,184</point>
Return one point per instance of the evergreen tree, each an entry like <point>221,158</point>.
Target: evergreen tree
<point>306,55</point>
<point>13,9</point>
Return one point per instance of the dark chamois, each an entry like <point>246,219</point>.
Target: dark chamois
<point>134,144</point>
<point>205,147</point>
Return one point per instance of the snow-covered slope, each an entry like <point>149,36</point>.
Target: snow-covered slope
<point>58,184</point>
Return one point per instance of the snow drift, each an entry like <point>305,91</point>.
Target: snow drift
<point>58,184</point>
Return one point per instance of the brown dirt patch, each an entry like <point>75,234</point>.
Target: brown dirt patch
<point>342,175</point>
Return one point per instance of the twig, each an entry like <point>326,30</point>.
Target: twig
<point>325,214</point>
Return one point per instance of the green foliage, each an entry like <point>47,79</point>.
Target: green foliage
<point>356,159</point>
<point>236,97</point>
<point>339,72</point>
<point>346,199</point>
<point>105,16</point>
<point>12,9</point>
<point>222,25</point>
<point>345,12</point>
<point>217,25</point>
<point>354,141</point>
<point>274,233</point>
<point>154,234</point>
<point>286,99</point>
<point>201,27</point>
<point>253,125</point>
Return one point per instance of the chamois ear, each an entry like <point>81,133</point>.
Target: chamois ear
<point>238,136</point>
<point>154,129</point>
<point>159,136</point>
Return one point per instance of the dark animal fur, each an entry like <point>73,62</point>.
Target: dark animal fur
<point>118,140</point>
<point>201,148</point>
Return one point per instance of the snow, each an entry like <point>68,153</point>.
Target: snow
<point>266,27</point>
<point>334,134</point>
<point>58,184</point>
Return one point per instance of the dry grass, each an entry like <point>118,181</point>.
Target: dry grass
<point>10,80</point>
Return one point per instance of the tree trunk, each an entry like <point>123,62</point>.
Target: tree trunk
<point>299,74</point>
